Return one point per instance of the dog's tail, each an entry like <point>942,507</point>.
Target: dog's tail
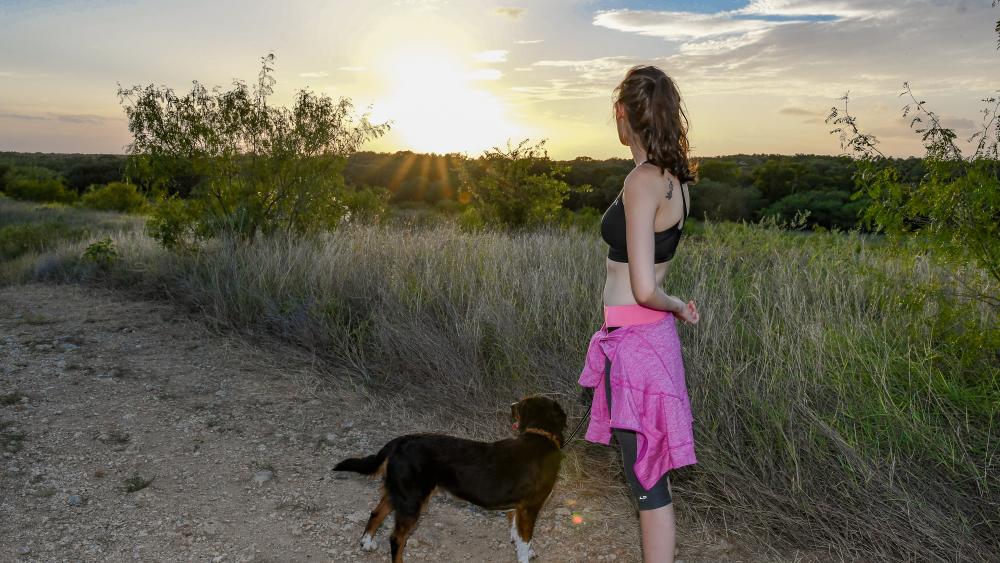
<point>369,464</point>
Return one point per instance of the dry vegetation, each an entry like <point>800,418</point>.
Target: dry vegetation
<point>844,395</point>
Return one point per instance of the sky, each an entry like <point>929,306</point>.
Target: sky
<point>755,76</point>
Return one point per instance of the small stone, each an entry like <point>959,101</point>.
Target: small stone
<point>74,500</point>
<point>563,511</point>
<point>219,558</point>
<point>330,438</point>
<point>23,550</point>
<point>263,476</point>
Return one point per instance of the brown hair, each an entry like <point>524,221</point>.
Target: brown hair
<point>653,108</point>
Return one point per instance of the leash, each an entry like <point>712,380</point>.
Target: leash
<point>576,430</point>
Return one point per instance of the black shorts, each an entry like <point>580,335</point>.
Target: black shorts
<point>659,495</point>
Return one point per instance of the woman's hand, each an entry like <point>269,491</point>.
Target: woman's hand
<point>689,313</point>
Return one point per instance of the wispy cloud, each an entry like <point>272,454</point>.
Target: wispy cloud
<point>512,13</point>
<point>22,116</point>
<point>528,41</point>
<point>78,118</point>
<point>704,33</point>
<point>351,68</point>
<point>316,74</point>
<point>5,73</point>
<point>485,74</point>
<point>819,47</point>
<point>421,5</point>
<point>577,78</point>
<point>797,111</point>
<point>495,56</point>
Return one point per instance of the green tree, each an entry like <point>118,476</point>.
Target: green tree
<point>518,187</point>
<point>258,168</point>
<point>954,208</point>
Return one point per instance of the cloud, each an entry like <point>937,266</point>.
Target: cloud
<point>485,74</point>
<point>577,78</point>
<point>496,56</point>
<point>822,48</point>
<point>420,5</point>
<point>351,68</point>
<point>797,111</point>
<point>317,74</point>
<point>512,13</point>
<point>528,41</point>
<point>953,122</point>
<point>5,73</point>
<point>77,118</point>
<point>21,116</point>
<point>727,30</point>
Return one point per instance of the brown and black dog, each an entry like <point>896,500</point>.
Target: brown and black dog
<point>516,474</point>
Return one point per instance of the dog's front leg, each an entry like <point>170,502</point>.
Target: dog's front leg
<point>522,528</point>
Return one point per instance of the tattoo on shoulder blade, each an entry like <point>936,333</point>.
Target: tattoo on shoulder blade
<point>670,188</point>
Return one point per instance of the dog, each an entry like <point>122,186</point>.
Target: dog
<point>516,474</point>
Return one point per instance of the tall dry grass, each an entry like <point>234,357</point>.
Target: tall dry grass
<point>838,405</point>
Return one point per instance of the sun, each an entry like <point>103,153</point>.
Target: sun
<point>437,102</point>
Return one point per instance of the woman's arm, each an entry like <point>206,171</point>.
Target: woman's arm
<point>640,201</point>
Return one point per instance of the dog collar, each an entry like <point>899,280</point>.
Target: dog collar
<point>545,433</point>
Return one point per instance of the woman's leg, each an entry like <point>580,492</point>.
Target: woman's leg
<point>659,535</point>
<point>656,508</point>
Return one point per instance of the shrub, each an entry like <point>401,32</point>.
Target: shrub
<point>448,206</point>
<point>369,204</point>
<point>37,184</point>
<point>826,209</point>
<point>20,239</point>
<point>172,223</point>
<point>101,253</point>
<point>4,169</point>
<point>115,196</point>
<point>261,168</point>
<point>519,187</point>
<point>586,218</point>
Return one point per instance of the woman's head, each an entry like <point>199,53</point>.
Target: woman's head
<point>648,111</point>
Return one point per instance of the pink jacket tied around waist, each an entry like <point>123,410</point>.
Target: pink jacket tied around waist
<point>648,394</point>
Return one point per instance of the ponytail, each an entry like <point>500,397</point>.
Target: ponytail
<point>653,108</point>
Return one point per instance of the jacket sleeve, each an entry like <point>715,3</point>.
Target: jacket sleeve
<point>593,364</point>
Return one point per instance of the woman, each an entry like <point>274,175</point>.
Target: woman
<point>634,360</point>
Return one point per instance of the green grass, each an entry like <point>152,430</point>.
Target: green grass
<point>845,394</point>
<point>136,483</point>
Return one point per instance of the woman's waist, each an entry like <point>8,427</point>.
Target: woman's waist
<point>632,314</point>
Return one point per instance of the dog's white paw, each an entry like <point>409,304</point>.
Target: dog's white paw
<point>524,551</point>
<point>368,543</point>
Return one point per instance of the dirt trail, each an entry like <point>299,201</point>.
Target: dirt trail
<point>238,437</point>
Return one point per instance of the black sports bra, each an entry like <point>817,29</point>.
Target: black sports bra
<point>613,233</point>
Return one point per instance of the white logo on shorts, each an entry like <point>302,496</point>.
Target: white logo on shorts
<point>642,498</point>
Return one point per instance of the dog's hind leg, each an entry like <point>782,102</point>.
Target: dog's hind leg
<point>375,522</point>
<point>513,525</point>
<point>524,522</point>
<point>404,527</point>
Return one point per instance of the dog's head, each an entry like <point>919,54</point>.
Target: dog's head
<point>539,412</point>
